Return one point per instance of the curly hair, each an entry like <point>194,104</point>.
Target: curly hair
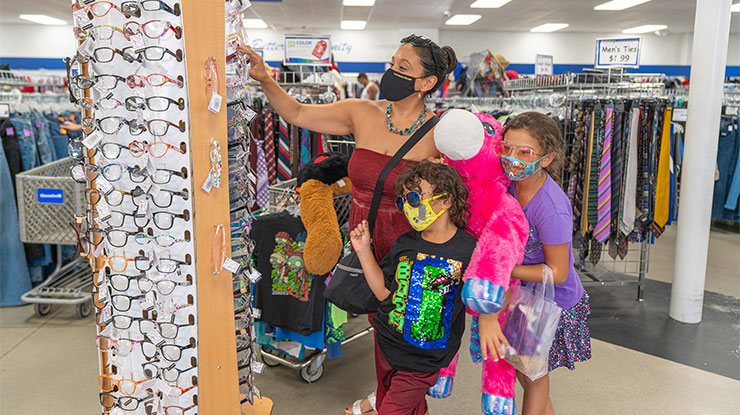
<point>543,129</point>
<point>444,179</point>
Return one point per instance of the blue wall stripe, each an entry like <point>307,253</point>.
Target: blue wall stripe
<point>379,67</point>
<point>33,63</point>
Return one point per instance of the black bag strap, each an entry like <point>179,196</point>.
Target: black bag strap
<point>405,148</point>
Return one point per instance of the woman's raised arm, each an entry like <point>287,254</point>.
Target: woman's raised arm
<point>335,118</point>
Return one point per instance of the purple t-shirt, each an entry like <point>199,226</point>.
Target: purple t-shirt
<point>550,218</point>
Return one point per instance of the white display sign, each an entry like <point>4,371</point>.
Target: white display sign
<point>618,53</point>
<point>680,114</point>
<point>543,65</point>
<point>307,50</point>
<point>4,110</point>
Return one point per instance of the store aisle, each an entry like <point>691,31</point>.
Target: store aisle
<point>51,362</point>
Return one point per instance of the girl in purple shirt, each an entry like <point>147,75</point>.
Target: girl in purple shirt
<point>532,152</point>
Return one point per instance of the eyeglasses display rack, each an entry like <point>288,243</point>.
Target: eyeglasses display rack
<point>156,228</point>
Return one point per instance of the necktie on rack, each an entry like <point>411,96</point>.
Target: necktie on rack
<point>295,149</point>
<point>603,225</point>
<point>629,200</point>
<point>575,166</point>
<point>618,144</point>
<point>587,173</point>
<point>263,194</point>
<point>593,181</point>
<point>663,188</point>
<point>270,158</point>
<point>305,147</point>
<point>655,144</point>
<point>284,170</point>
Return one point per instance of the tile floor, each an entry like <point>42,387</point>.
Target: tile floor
<point>49,366</point>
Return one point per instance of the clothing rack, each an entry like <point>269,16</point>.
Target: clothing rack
<point>564,97</point>
<point>36,79</point>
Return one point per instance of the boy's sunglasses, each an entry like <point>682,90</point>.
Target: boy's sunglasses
<point>414,200</point>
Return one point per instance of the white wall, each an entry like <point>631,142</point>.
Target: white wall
<point>20,40</point>
<point>36,41</point>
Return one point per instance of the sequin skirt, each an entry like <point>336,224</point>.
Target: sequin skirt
<point>572,340</point>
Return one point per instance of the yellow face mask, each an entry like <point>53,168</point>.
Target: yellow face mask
<point>418,212</point>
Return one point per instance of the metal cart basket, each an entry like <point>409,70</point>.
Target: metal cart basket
<point>48,199</point>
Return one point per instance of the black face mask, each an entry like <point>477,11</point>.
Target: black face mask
<point>396,86</point>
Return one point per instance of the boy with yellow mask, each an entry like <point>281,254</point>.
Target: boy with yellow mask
<point>421,319</point>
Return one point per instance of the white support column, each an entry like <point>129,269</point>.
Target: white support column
<point>708,59</point>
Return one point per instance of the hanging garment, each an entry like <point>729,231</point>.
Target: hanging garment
<point>603,225</point>
<point>284,169</point>
<point>263,193</point>
<point>305,147</point>
<point>588,173</point>
<point>270,158</point>
<point>287,294</point>
<point>14,277</point>
<point>12,150</point>
<point>663,188</point>
<point>618,144</point>
<point>629,202</point>
<point>727,160</point>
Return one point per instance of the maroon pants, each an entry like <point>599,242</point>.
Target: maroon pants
<point>400,392</point>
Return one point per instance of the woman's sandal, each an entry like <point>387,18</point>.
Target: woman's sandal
<point>357,410</point>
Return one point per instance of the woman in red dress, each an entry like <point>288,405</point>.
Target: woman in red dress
<point>418,69</point>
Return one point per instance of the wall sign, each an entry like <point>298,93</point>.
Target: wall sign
<point>307,50</point>
<point>55,196</point>
<point>618,53</point>
<point>543,65</point>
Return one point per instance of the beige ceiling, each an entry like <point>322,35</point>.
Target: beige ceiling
<point>518,15</point>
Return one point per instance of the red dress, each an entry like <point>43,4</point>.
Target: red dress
<point>364,168</point>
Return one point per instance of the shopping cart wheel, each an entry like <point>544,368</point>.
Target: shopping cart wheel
<point>267,360</point>
<point>84,309</point>
<point>312,373</point>
<point>42,309</point>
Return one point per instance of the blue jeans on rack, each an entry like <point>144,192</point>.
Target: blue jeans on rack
<point>727,159</point>
<point>734,193</point>
<point>60,140</point>
<point>47,152</point>
<point>14,277</point>
<point>27,141</point>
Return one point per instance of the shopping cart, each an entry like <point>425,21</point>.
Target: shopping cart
<point>311,368</point>
<point>48,199</point>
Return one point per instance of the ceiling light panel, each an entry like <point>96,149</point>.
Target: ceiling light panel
<point>489,4</point>
<point>359,3</point>
<point>43,19</point>
<point>645,28</point>
<point>462,19</point>
<point>353,24</point>
<point>549,27</point>
<point>619,4</point>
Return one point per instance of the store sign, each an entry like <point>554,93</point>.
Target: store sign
<point>680,114</point>
<point>55,196</point>
<point>543,65</point>
<point>618,53</point>
<point>307,50</point>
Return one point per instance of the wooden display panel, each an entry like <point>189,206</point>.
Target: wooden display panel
<point>204,36</point>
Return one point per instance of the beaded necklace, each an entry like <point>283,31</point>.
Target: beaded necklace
<point>405,131</point>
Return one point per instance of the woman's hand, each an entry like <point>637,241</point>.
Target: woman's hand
<point>491,336</point>
<point>360,237</point>
<point>257,69</point>
<point>71,126</point>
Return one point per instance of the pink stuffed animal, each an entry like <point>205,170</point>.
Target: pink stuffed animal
<point>468,142</point>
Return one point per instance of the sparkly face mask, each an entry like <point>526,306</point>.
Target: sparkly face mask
<point>518,170</point>
<point>418,212</point>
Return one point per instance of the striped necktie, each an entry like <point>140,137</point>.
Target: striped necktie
<point>284,171</point>
<point>305,147</point>
<point>603,225</point>
<point>263,194</point>
<point>594,166</point>
<point>618,143</point>
<point>270,158</point>
<point>587,172</point>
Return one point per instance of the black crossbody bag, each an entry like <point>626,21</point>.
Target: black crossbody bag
<point>348,288</point>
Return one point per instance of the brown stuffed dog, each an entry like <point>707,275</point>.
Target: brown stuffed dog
<point>320,180</point>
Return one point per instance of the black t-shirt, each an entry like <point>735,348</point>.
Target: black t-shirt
<point>420,325</point>
<point>288,296</point>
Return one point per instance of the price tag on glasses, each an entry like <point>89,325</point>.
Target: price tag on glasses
<point>92,139</point>
<point>231,265</point>
<point>103,184</point>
